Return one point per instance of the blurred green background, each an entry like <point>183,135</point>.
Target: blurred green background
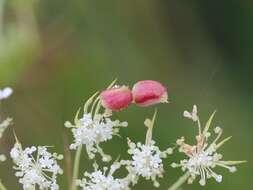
<point>56,53</point>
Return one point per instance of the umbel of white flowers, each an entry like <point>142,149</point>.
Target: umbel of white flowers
<point>104,179</point>
<point>4,94</point>
<point>147,158</point>
<point>203,157</point>
<point>35,166</point>
<point>91,131</point>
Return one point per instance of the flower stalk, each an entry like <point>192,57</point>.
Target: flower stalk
<point>150,124</point>
<point>76,167</point>
<point>2,187</point>
<point>180,181</point>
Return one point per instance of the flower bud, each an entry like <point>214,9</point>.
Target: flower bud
<point>149,92</point>
<point>116,98</point>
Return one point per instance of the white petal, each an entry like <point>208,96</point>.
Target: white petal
<point>187,114</point>
<point>218,178</point>
<point>5,93</point>
<point>194,110</point>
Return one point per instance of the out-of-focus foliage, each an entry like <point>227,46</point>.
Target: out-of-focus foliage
<point>201,50</point>
<point>18,38</point>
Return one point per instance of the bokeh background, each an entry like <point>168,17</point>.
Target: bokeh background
<point>55,54</point>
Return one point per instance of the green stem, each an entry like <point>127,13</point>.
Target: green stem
<point>179,182</point>
<point>76,167</point>
<point>2,187</point>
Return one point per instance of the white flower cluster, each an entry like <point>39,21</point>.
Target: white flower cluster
<point>147,160</point>
<point>103,180</point>
<point>36,169</point>
<point>93,129</point>
<point>4,94</point>
<point>203,157</point>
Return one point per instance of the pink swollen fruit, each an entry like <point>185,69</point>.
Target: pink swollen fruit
<point>116,98</point>
<point>149,92</point>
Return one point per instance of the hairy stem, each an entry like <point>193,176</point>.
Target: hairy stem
<point>76,167</point>
<point>2,187</point>
<point>179,182</point>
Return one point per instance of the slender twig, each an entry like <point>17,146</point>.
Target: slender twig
<point>179,182</point>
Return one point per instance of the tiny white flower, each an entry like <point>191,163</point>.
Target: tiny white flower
<point>4,124</point>
<point>5,93</point>
<point>2,158</point>
<point>192,115</point>
<point>36,169</point>
<point>203,157</point>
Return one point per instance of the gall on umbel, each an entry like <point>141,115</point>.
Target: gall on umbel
<point>116,98</point>
<point>149,92</point>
